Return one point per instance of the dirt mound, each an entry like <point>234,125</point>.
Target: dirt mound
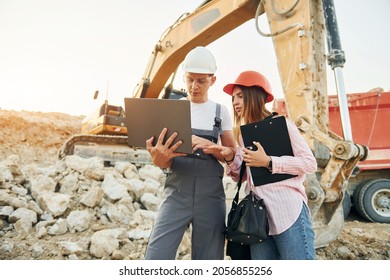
<point>34,136</point>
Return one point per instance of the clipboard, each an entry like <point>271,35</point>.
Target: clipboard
<point>273,135</point>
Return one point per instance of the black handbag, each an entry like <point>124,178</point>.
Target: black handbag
<point>247,223</point>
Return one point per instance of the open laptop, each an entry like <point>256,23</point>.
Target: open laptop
<point>146,117</point>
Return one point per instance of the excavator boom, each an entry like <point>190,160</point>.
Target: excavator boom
<point>210,21</point>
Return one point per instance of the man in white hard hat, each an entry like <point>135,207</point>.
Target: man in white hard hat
<point>194,193</point>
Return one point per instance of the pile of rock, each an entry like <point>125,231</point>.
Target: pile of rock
<point>79,209</point>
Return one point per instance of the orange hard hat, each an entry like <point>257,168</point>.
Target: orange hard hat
<point>251,79</point>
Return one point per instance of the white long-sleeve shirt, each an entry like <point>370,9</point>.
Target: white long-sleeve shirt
<point>283,199</point>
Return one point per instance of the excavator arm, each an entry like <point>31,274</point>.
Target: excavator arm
<point>210,21</point>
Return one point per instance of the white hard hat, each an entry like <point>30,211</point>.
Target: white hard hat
<point>201,61</point>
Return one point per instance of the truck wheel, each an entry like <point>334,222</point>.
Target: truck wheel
<point>346,204</point>
<point>372,200</point>
<point>355,196</point>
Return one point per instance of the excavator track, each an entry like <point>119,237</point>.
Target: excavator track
<point>109,147</point>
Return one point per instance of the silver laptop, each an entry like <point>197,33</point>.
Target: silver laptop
<point>146,117</point>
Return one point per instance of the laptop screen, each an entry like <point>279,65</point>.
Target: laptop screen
<point>146,117</point>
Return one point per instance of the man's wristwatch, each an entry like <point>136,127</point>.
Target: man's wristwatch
<point>270,164</point>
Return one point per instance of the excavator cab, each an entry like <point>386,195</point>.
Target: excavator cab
<point>107,119</point>
<point>110,119</point>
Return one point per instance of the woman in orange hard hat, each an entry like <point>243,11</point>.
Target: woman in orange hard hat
<point>290,230</point>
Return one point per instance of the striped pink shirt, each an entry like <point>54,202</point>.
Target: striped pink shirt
<point>283,199</point>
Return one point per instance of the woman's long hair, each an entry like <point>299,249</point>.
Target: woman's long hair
<point>254,108</point>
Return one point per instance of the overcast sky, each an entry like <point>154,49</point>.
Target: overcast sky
<point>54,54</point>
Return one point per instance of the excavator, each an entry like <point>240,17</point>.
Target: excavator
<point>299,30</point>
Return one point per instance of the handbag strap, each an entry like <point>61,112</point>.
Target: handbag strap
<point>242,171</point>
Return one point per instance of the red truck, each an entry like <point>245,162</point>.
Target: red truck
<point>369,185</point>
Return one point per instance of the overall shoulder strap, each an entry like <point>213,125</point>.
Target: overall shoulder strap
<point>217,120</point>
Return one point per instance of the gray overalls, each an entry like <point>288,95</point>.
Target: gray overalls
<point>193,194</point>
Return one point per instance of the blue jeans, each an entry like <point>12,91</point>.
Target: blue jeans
<point>296,243</point>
